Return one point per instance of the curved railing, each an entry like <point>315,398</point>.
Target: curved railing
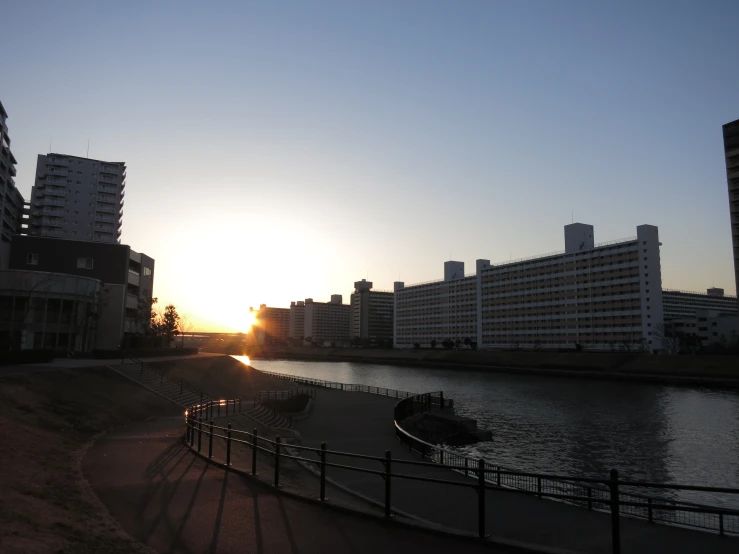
<point>594,494</point>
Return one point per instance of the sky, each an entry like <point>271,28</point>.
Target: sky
<point>282,150</point>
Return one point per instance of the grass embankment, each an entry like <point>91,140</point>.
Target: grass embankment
<point>222,376</point>
<point>46,420</point>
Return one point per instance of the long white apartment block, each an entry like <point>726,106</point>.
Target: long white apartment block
<point>600,297</point>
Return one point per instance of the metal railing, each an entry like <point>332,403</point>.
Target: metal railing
<point>596,494</point>
<point>593,494</point>
<point>285,394</point>
<point>347,387</point>
<point>163,377</point>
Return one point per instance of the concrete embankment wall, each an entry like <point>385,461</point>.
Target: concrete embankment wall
<point>683,369</point>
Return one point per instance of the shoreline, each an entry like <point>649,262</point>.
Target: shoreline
<point>724,375</point>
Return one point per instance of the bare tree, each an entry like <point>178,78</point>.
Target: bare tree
<point>670,341</point>
<point>184,325</point>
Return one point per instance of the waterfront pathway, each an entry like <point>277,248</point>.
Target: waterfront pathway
<point>78,363</point>
<point>363,423</point>
<point>174,501</point>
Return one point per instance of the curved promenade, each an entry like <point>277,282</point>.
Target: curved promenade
<point>364,426</point>
<point>176,502</point>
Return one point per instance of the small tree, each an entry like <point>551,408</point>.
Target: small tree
<point>170,323</point>
<point>467,342</point>
<point>433,343</point>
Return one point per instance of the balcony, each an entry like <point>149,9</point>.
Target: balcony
<point>55,191</point>
<point>52,211</point>
<point>104,217</point>
<point>114,169</point>
<point>105,209</point>
<point>107,198</point>
<point>52,201</point>
<point>51,233</point>
<point>107,189</point>
<point>57,161</point>
<point>134,278</point>
<point>132,301</point>
<point>104,227</point>
<point>51,221</point>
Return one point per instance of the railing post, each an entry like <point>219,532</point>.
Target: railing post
<point>615,520</point>
<point>239,405</point>
<point>201,397</point>
<point>649,510</point>
<point>228,445</point>
<point>323,471</point>
<point>466,470</point>
<point>497,478</point>
<point>481,498</point>
<point>200,432</point>
<point>538,486</point>
<point>277,461</point>
<point>254,452</point>
<point>721,524</point>
<point>226,407</point>
<point>590,499</point>
<point>388,489</point>
<point>441,456</point>
<point>219,408</point>
<point>441,400</point>
<point>180,388</point>
<point>210,441</point>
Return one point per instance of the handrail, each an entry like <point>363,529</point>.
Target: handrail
<point>535,482</point>
<point>346,387</point>
<point>592,493</point>
<point>183,384</point>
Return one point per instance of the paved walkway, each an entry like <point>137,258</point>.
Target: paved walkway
<point>172,500</point>
<point>74,363</point>
<point>362,423</point>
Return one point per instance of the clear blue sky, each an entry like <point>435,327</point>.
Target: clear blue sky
<point>282,150</point>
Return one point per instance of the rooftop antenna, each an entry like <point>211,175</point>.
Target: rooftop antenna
<point>88,148</point>
<point>49,146</point>
<point>573,216</point>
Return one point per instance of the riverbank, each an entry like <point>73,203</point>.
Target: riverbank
<point>47,420</point>
<point>696,370</point>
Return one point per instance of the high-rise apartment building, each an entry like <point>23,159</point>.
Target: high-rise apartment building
<point>731,152</point>
<point>296,326</point>
<point>679,304</point>
<point>327,321</point>
<point>11,201</point>
<point>372,313</point>
<point>77,199</point>
<point>600,297</point>
<point>271,325</point>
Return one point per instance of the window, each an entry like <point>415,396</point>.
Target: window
<point>147,272</point>
<point>84,263</point>
<point>32,259</point>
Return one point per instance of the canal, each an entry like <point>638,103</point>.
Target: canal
<point>655,433</point>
